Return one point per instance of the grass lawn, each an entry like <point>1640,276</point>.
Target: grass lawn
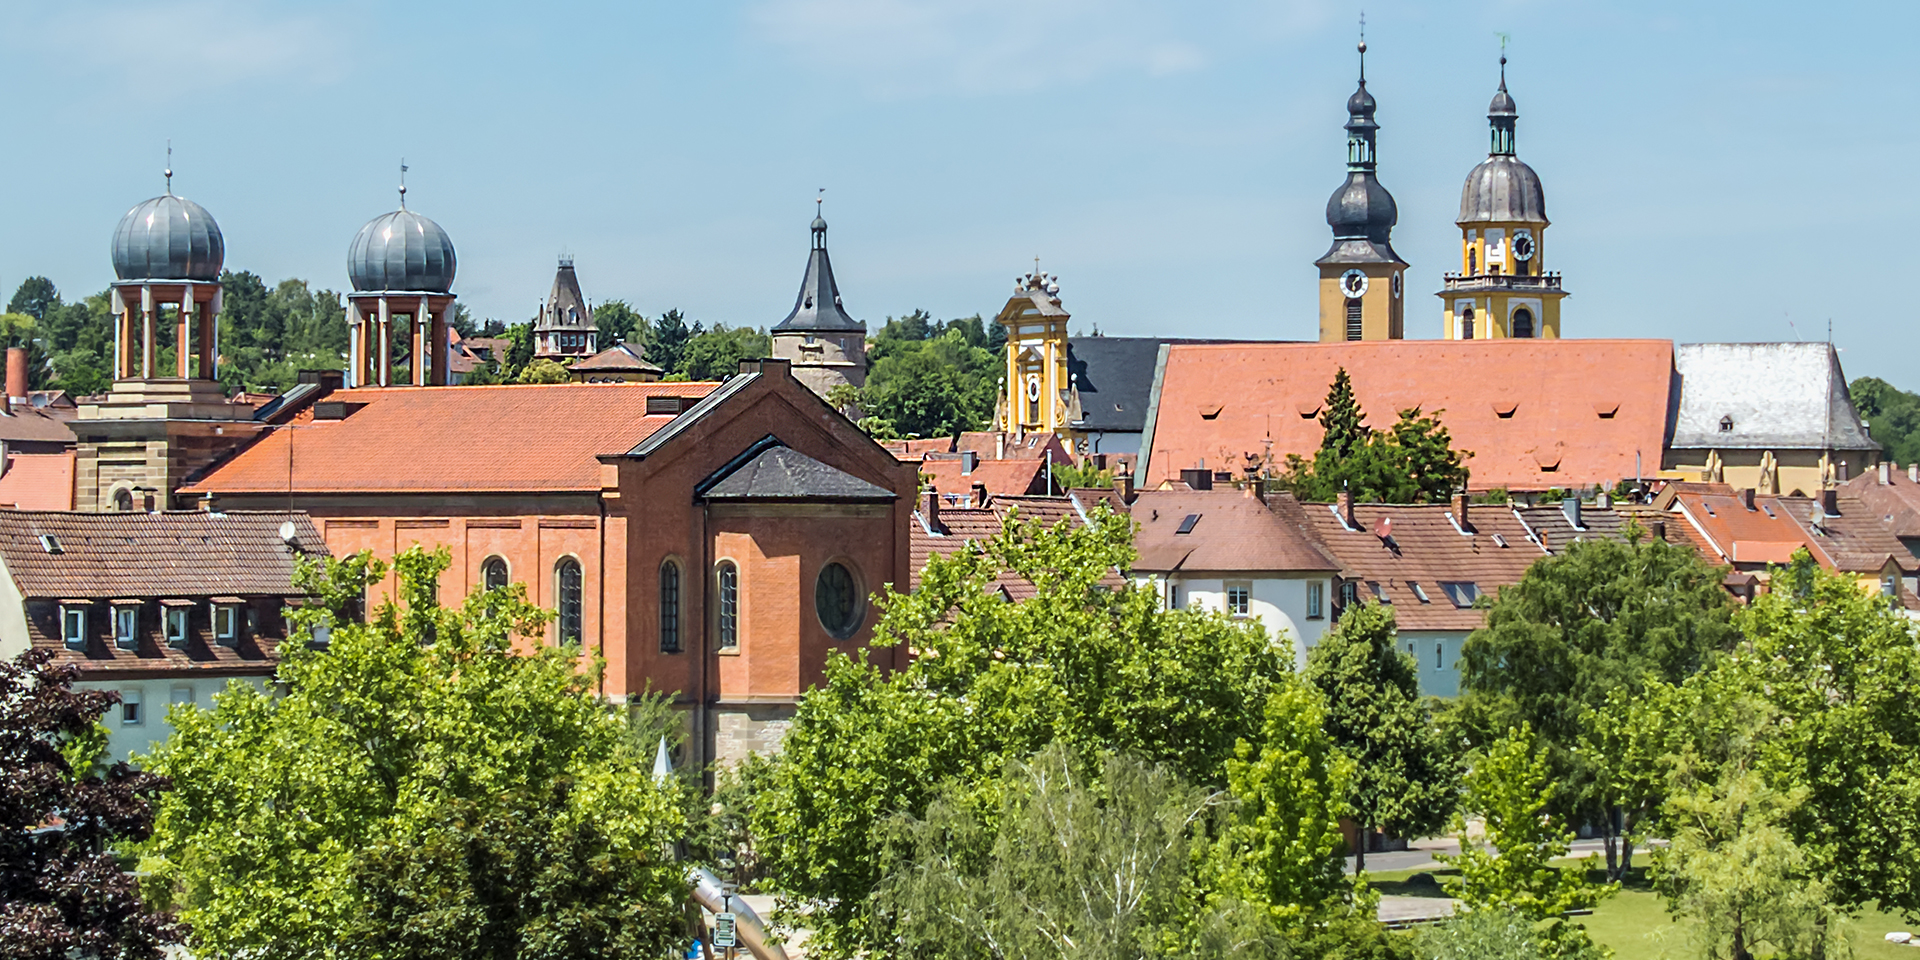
<point>1635,924</point>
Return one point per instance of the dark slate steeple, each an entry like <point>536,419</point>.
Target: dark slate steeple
<point>1361,212</point>
<point>818,307</point>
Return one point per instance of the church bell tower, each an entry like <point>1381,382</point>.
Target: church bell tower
<point>1362,280</point>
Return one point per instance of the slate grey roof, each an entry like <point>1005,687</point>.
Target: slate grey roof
<point>566,306</point>
<point>785,474</point>
<point>817,308</point>
<point>1776,395</point>
<point>1502,189</point>
<point>1114,376</point>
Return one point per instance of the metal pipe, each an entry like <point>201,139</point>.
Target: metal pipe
<point>751,930</point>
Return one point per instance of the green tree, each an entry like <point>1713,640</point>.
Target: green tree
<point>1074,865</point>
<point>1603,620</point>
<point>1342,423</point>
<point>1509,786</point>
<point>669,340</point>
<point>1087,661</point>
<point>617,322</point>
<point>436,778</point>
<point>715,354</point>
<point>1894,415</point>
<point>62,891</point>
<point>934,386</point>
<point>1411,462</point>
<point>1068,476</point>
<point>1403,777</point>
<point>543,370</point>
<point>1486,934</point>
<point>34,297</point>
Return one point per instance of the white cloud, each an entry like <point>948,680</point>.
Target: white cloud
<point>165,49</point>
<point>912,47</point>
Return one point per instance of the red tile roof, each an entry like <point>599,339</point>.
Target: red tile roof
<point>1535,413</point>
<point>913,450</point>
<point>35,425</point>
<point>1428,549</point>
<point>958,526</point>
<point>1029,446</point>
<point>1001,477</point>
<point>480,439</point>
<point>38,481</point>
<point>1767,533</point>
<point>1230,532</point>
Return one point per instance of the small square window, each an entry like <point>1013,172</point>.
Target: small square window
<point>226,623</point>
<point>1239,596</point>
<point>1316,600</point>
<point>182,694</point>
<point>177,627</point>
<point>130,715</point>
<point>126,626</point>
<point>73,626</point>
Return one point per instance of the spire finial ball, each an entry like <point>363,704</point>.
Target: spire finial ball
<point>1363,46</point>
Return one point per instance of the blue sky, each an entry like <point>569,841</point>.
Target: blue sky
<point>1714,171</point>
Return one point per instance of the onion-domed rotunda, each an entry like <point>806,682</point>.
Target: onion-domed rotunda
<point>167,255</point>
<point>401,264</point>
<point>1361,278</point>
<point>1503,288</point>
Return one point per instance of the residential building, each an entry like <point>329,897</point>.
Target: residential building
<point>1892,494</point>
<point>1753,533</point>
<point>1772,417</point>
<point>36,443</point>
<point>1503,288</point>
<point>1432,563</point>
<point>825,345</point>
<point>940,528</point>
<point>565,330</point>
<point>715,541</point>
<point>1226,550</point>
<point>163,608</point>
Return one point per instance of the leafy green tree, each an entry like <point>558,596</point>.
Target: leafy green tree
<point>1092,663</point>
<point>543,370</point>
<point>1403,777</point>
<point>1068,476</point>
<point>669,340</point>
<point>1894,416</point>
<point>1074,865</point>
<point>715,354</point>
<point>34,297</point>
<point>1840,672</point>
<point>1509,786</point>
<point>1562,647</point>
<point>1485,934</point>
<point>940,386</point>
<point>1342,423</point>
<point>617,322</point>
<point>1411,462</point>
<point>437,781</point>
<point>62,892</point>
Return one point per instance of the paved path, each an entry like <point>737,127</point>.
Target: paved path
<point>1420,855</point>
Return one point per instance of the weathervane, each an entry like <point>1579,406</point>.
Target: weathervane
<point>1363,47</point>
<point>1504,37</point>
<point>403,183</point>
<point>169,170</point>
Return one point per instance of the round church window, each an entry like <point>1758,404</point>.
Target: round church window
<point>836,598</point>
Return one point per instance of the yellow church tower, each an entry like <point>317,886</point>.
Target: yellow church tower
<point>1503,288</point>
<point>1037,396</point>
<point>1361,278</point>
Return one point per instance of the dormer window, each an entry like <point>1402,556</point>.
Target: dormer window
<point>226,622</point>
<point>177,612</point>
<point>73,624</point>
<point>126,624</point>
<point>1726,424</point>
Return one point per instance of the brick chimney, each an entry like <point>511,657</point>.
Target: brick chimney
<point>1886,473</point>
<point>979,494</point>
<point>1123,484</point>
<point>16,377</point>
<point>1346,510</point>
<point>147,501</point>
<point>1546,540</point>
<point>1830,502</point>
<point>932,511</point>
<point>1913,472</point>
<point>1460,501</point>
<point>1746,499</point>
<point>1000,445</point>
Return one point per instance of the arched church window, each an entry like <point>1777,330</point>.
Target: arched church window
<point>567,580</point>
<point>493,573</point>
<point>669,607</point>
<point>123,500</point>
<point>1523,323</point>
<point>727,622</point>
<point>1466,324</point>
<point>1354,328</point>
<point>1473,260</point>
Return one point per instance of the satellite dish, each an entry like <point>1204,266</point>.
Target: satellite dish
<point>287,531</point>
<point>1384,528</point>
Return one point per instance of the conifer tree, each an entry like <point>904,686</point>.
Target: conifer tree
<point>1343,420</point>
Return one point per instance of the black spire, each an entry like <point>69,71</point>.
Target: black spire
<point>1501,114</point>
<point>818,308</point>
<point>1362,209</point>
<point>1360,125</point>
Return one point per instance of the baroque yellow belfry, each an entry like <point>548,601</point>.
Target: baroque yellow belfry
<point>1503,288</point>
<point>1362,281</point>
<point>1038,396</point>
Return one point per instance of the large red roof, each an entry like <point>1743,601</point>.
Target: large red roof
<point>1535,413</point>
<point>478,439</point>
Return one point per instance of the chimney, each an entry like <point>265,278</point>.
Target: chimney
<point>1746,499</point>
<point>1659,529</point>
<point>1000,445</point>
<point>1913,472</point>
<point>933,511</point>
<point>1460,501</point>
<point>16,377</point>
<point>1346,510</point>
<point>968,460</point>
<point>1571,507</point>
<point>1123,484</point>
<point>980,495</point>
<point>147,501</point>
<point>1830,502</point>
<point>1546,541</point>
<point>1886,473</point>
<point>1197,478</point>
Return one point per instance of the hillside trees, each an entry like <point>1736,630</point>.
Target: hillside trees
<point>63,891</point>
<point>433,782</point>
<point>928,378</point>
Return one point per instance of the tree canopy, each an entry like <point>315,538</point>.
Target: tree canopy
<point>63,892</point>
<point>1893,415</point>
<point>928,378</point>
<point>1413,461</point>
<point>435,781</point>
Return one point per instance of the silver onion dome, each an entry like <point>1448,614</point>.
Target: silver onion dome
<point>1502,189</point>
<point>401,250</point>
<point>168,238</point>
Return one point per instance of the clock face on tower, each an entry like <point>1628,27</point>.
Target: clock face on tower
<point>1353,283</point>
<point>1523,246</point>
